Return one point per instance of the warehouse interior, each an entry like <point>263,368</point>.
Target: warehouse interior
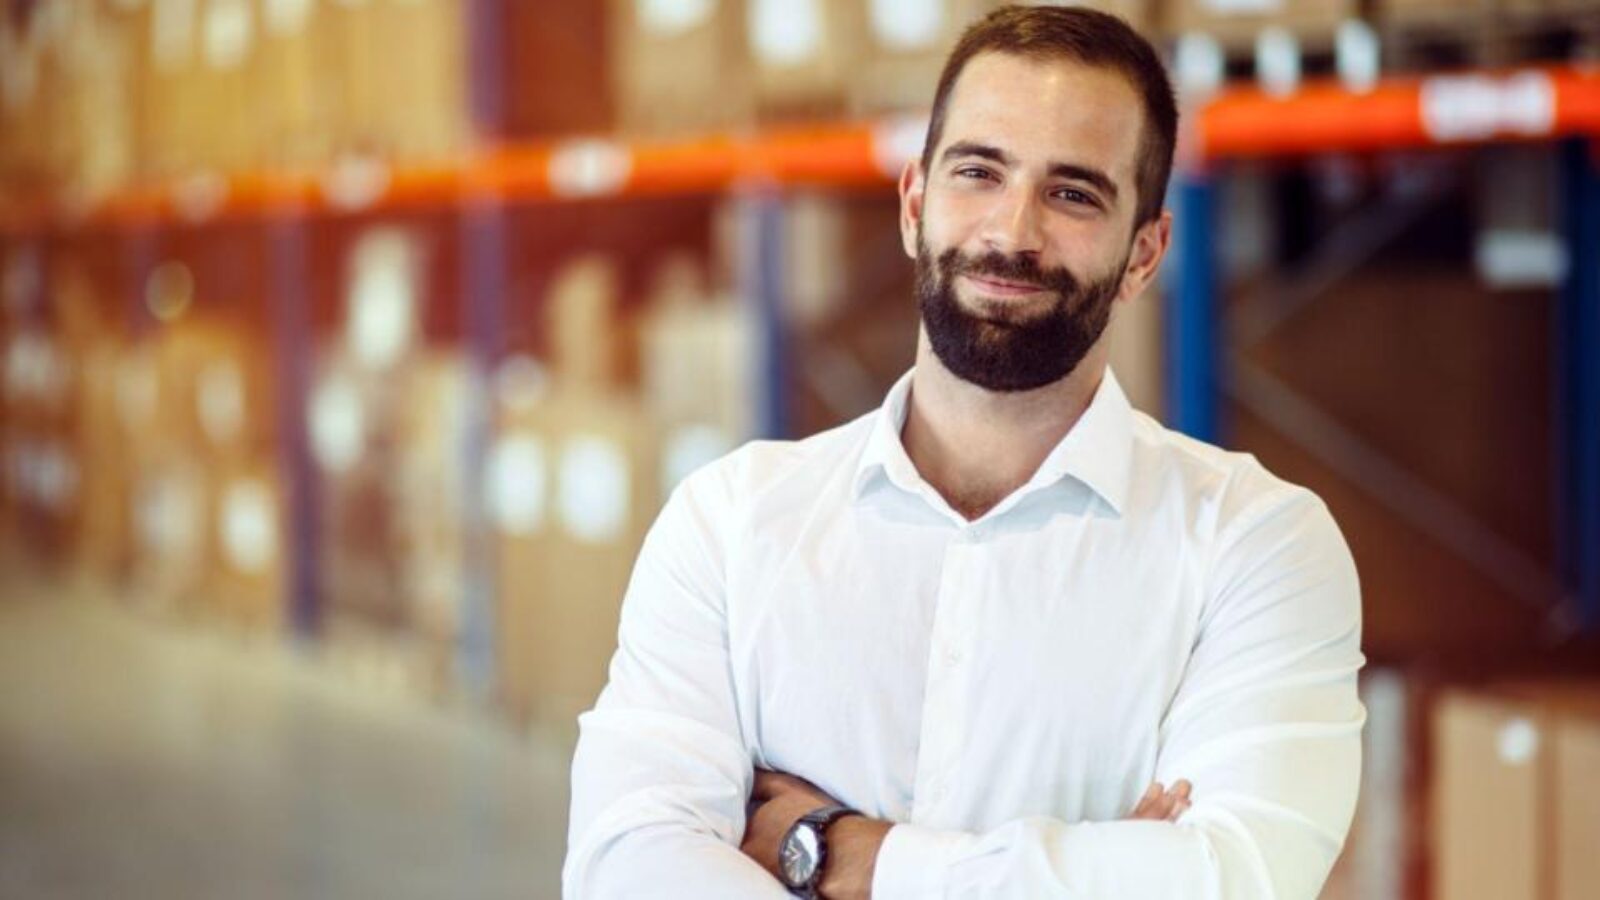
<point>348,349</point>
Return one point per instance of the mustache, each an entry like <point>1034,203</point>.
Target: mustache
<point>1022,269</point>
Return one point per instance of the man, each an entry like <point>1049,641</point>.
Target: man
<point>985,618</point>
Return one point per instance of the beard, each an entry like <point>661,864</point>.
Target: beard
<point>1011,350</point>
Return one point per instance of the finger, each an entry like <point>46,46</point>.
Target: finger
<point>1143,801</point>
<point>1152,795</point>
<point>1171,803</point>
<point>1165,806</point>
<point>1183,788</point>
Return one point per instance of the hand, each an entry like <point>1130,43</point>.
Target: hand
<point>782,800</point>
<point>853,841</point>
<point>1163,805</point>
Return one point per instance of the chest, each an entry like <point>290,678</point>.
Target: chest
<point>1048,651</point>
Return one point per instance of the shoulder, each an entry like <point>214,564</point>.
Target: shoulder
<point>1227,492</point>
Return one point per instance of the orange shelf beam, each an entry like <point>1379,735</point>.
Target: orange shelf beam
<point>1441,110</point>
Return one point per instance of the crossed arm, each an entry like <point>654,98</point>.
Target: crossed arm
<point>1266,724</point>
<point>853,841</point>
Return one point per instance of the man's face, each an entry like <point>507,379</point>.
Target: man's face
<point>1024,228</point>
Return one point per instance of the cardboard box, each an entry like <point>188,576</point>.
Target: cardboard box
<point>572,486</point>
<point>905,49</point>
<point>431,486</point>
<point>906,45</point>
<point>423,57</point>
<point>173,97</point>
<point>397,74</point>
<point>804,53</point>
<point>680,69</point>
<point>566,547</point>
<point>248,567</point>
<point>104,525</point>
<point>296,113</point>
<point>698,362</point>
<point>1236,23</point>
<point>1516,808</point>
<point>171,514</point>
<point>555,79</point>
<point>351,414</point>
<point>25,130</point>
<point>1456,13</point>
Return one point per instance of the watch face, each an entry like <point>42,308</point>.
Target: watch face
<point>798,856</point>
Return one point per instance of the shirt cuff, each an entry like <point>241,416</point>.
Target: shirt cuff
<point>914,861</point>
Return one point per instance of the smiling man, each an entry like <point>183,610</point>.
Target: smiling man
<point>957,646</point>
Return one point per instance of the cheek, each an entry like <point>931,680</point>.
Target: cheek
<point>949,218</point>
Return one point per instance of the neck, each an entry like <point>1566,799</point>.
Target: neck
<point>975,446</point>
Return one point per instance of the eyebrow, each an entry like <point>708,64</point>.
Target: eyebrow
<point>1087,174</point>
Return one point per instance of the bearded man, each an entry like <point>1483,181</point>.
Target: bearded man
<point>958,646</point>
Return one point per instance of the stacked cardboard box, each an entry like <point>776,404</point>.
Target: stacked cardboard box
<point>231,85</point>
<point>905,46</point>
<point>172,90</point>
<point>704,407</point>
<point>387,425</point>
<point>1463,13</point>
<point>553,79</point>
<point>82,303</point>
<point>431,483</point>
<point>196,408</point>
<point>1237,23</point>
<point>572,486</point>
<point>1516,810</point>
<point>396,73</point>
<point>41,471</point>
<point>802,53</point>
<point>680,69</point>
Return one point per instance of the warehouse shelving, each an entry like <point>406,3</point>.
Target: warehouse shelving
<point>1439,111</point>
<point>1547,103</point>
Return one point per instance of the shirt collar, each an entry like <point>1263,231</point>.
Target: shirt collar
<point>1097,451</point>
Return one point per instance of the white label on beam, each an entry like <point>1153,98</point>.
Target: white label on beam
<point>1479,107</point>
<point>589,168</point>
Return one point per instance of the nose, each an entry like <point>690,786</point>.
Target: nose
<point>1013,224</point>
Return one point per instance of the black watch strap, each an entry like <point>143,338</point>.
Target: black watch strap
<point>828,815</point>
<point>820,820</point>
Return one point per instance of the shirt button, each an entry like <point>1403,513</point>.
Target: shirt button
<point>952,655</point>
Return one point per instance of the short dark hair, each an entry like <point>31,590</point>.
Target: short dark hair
<point>1088,37</point>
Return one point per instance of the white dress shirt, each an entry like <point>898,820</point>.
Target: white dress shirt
<point>1147,607</point>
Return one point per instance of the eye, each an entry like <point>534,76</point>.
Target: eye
<point>973,173</point>
<point>1077,197</point>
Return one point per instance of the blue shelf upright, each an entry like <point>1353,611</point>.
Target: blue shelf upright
<point>1193,354</point>
<point>1577,360</point>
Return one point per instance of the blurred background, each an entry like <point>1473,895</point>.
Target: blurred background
<point>347,348</point>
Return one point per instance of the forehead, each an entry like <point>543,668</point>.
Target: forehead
<point>1047,110</point>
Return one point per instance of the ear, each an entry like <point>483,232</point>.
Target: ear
<point>913,183</point>
<point>1150,245</point>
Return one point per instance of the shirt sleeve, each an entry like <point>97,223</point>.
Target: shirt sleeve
<point>1266,725</point>
<point>661,776</point>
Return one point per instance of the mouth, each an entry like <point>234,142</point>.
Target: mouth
<point>1001,287</point>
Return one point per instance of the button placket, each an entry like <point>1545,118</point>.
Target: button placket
<point>944,712</point>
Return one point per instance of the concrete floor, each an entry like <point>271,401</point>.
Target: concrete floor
<point>143,759</point>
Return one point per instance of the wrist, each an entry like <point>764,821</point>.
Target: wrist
<point>853,843</point>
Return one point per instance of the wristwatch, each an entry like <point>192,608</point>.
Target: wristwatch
<point>804,849</point>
